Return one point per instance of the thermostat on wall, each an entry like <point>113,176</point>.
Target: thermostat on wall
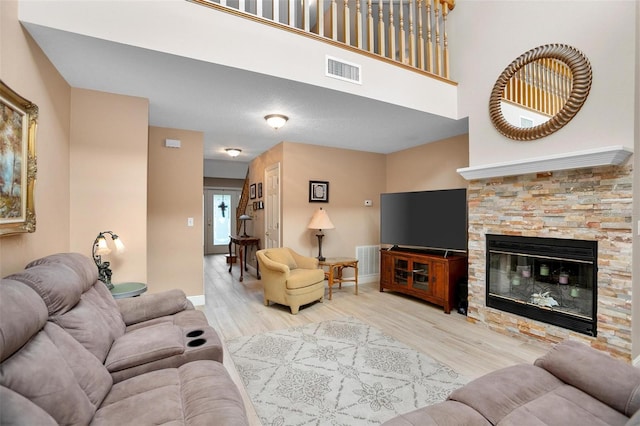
<point>172,143</point>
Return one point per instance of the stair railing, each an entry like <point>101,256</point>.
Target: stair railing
<point>410,33</point>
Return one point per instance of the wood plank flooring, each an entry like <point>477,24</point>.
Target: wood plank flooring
<point>236,308</point>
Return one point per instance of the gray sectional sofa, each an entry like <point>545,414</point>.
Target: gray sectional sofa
<point>572,384</point>
<point>71,354</point>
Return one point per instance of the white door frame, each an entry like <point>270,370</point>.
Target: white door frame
<point>273,215</point>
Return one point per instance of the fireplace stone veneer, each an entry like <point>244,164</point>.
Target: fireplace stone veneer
<point>590,204</point>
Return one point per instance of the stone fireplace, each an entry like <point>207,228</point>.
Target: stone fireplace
<point>587,204</point>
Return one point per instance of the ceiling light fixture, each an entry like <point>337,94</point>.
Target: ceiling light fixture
<point>276,120</point>
<point>233,152</point>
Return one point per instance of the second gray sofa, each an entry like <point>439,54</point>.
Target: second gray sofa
<point>572,384</point>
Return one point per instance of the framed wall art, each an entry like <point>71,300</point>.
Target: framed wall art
<point>259,189</point>
<point>318,191</point>
<point>252,191</point>
<point>18,122</point>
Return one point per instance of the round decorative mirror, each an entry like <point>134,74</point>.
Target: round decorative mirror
<point>540,92</point>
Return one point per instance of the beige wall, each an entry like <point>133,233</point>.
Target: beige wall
<point>26,70</point>
<point>108,178</point>
<point>429,166</point>
<point>175,194</point>
<point>511,28</point>
<point>353,176</point>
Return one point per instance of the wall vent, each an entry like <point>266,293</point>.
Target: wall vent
<point>343,70</point>
<point>368,260</point>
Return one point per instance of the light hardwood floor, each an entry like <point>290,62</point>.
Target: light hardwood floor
<point>236,308</point>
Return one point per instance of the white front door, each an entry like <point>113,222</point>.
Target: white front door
<point>272,206</point>
<point>220,219</point>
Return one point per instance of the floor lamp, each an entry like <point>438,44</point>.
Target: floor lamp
<point>320,220</point>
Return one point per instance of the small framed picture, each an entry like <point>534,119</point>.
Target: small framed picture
<point>318,191</point>
<point>252,191</point>
<point>260,205</point>
<point>260,190</point>
<point>255,205</point>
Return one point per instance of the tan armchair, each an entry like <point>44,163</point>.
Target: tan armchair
<point>289,278</point>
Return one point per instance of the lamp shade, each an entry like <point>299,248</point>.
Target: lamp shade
<point>119,244</point>
<point>320,220</point>
<point>244,217</point>
<point>102,249</point>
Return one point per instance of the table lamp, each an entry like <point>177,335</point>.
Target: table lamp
<point>320,220</point>
<point>244,218</point>
<point>100,248</point>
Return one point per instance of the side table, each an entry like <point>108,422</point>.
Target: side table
<point>123,290</point>
<point>334,274</point>
<point>244,244</point>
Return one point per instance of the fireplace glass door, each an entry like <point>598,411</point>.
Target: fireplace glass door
<point>549,280</point>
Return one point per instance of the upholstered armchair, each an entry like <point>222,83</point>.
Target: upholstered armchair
<point>289,278</point>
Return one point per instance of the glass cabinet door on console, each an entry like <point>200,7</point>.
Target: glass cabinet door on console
<point>401,272</point>
<point>420,277</point>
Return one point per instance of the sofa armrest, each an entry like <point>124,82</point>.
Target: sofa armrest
<point>147,307</point>
<point>596,373</point>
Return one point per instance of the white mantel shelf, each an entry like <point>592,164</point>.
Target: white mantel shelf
<point>611,155</point>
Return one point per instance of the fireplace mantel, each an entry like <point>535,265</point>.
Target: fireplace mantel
<point>612,155</point>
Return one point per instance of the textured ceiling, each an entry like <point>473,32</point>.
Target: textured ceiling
<point>228,104</point>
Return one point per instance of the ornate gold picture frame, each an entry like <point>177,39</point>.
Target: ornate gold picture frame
<point>18,122</point>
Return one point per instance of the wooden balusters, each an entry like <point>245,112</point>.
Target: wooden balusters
<point>358,25</point>
<point>412,32</point>
<point>402,38</point>
<point>445,11</point>
<point>370,42</point>
<point>421,61</point>
<point>542,86</point>
<point>306,8</point>
<point>320,17</point>
<point>412,37</point>
<point>381,28</point>
<point>429,38</point>
<point>334,20</point>
<point>346,23</point>
<point>438,69</point>
<point>392,33</point>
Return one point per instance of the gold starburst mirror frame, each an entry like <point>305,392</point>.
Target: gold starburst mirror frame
<point>550,81</point>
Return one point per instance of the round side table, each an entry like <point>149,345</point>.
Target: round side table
<point>123,290</point>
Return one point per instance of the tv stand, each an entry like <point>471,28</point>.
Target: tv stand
<point>427,276</point>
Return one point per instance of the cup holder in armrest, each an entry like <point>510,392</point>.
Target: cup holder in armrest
<point>196,342</point>
<point>195,333</point>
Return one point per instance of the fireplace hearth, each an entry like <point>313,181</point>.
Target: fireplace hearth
<point>546,279</point>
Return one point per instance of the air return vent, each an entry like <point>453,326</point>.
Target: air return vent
<point>342,70</point>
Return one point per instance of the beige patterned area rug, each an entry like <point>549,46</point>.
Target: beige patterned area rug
<point>341,372</point>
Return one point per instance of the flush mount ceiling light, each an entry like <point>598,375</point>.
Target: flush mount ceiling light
<point>276,120</point>
<point>233,152</point>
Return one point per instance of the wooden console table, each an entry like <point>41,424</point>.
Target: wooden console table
<point>241,243</point>
<point>334,274</point>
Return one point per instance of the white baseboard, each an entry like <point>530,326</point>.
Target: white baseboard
<point>198,300</point>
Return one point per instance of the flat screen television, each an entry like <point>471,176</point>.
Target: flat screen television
<point>432,220</point>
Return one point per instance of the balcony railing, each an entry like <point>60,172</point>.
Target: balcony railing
<point>411,33</point>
